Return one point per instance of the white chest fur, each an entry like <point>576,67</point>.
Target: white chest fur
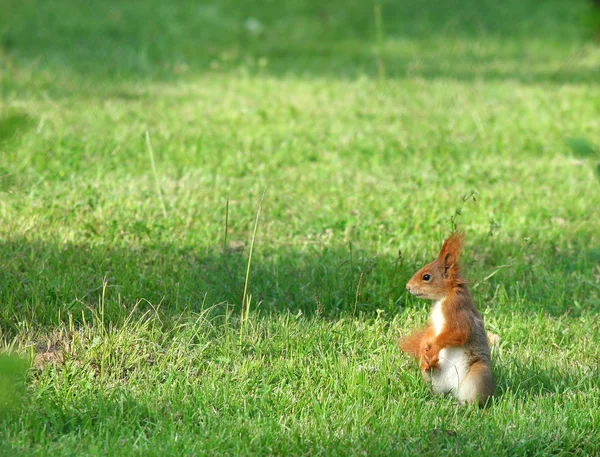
<point>452,370</point>
<point>437,317</point>
<point>454,362</point>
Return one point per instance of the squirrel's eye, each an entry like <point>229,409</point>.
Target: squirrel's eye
<point>426,277</point>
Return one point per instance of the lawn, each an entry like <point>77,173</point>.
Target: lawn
<point>138,141</point>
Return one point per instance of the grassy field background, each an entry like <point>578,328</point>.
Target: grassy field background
<point>374,128</point>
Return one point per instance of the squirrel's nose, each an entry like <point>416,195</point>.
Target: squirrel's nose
<point>408,287</point>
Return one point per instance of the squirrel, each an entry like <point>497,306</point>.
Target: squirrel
<point>452,349</point>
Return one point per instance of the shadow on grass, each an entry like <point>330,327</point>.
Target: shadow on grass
<point>78,413</point>
<point>128,41</point>
<point>524,382</point>
<point>42,284</point>
<point>39,282</point>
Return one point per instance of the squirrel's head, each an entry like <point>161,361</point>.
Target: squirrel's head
<point>436,279</point>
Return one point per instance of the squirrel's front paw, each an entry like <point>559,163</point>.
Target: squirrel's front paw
<point>430,360</point>
<point>433,362</point>
<point>425,366</point>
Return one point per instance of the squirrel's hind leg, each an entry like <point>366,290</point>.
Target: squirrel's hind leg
<point>478,385</point>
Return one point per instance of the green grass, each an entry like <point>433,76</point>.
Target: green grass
<point>122,289</point>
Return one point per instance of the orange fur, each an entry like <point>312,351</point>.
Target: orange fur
<point>411,344</point>
<point>457,329</point>
<point>448,260</point>
<point>454,323</point>
<point>415,345</point>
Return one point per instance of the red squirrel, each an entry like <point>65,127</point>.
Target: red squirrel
<point>452,349</point>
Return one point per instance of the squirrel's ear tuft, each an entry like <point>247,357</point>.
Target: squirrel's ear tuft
<point>449,255</point>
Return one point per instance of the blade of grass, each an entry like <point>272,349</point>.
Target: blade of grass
<point>245,296</point>
<point>226,226</point>
<point>153,164</point>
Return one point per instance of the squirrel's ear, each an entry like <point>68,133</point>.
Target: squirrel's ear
<point>449,255</point>
<point>448,265</point>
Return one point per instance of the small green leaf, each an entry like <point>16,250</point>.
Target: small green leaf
<point>12,125</point>
<point>13,373</point>
<point>582,148</point>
